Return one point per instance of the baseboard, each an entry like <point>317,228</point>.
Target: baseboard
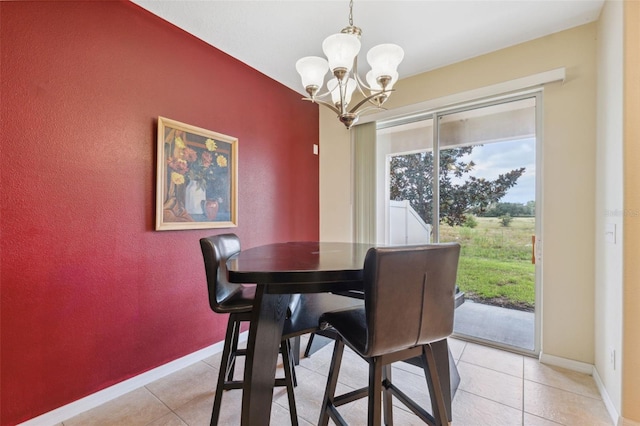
<point>569,364</point>
<point>96,399</point>
<point>611,409</point>
<point>627,422</point>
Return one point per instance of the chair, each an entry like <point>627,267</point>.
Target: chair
<point>237,300</point>
<point>409,297</point>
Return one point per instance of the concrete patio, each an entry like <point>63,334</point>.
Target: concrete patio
<point>505,327</point>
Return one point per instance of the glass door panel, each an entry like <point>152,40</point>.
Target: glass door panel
<point>487,203</point>
<point>410,189</point>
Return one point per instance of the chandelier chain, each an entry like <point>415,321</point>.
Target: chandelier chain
<point>351,13</point>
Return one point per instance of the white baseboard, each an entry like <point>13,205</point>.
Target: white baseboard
<point>96,399</point>
<point>569,364</point>
<point>611,409</point>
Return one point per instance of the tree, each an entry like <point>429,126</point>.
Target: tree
<point>412,179</point>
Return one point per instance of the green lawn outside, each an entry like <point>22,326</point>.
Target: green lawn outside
<point>495,263</point>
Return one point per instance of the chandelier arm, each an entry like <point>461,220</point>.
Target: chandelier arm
<point>323,95</point>
<point>359,81</point>
<point>327,104</point>
<point>368,99</point>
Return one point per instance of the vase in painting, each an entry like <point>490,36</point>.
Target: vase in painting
<point>211,209</point>
<point>195,195</point>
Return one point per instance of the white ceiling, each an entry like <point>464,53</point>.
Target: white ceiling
<point>271,36</point>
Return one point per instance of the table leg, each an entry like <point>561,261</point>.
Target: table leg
<point>265,334</point>
<point>447,371</point>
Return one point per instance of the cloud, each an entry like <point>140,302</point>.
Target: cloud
<point>498,158</point>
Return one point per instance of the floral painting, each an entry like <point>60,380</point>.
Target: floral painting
<point>197,184</point>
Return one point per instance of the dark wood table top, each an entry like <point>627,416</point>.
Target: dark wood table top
<point>301,267</point>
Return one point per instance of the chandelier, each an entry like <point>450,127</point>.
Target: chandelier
<point>342,51</point>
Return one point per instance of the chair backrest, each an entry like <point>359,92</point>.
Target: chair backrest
<point>215,251</point>
<point>409,295</point>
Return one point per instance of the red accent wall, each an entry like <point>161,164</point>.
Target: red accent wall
<point>91,295</point>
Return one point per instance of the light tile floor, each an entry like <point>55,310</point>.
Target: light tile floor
<point>496,388</point>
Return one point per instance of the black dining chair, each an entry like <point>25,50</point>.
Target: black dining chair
<point>409,302</point>
<point>237,300</point>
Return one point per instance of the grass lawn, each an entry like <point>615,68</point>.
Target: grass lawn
<point>495,264</point>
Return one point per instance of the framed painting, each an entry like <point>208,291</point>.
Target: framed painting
<point>197,178</point>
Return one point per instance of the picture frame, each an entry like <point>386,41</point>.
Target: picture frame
<point>197,178</point>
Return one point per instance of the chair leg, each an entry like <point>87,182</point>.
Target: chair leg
<point>387,402</point>
<point>295,350</point>
<point>292,356</point>
<point>332,382</point>
<point>289,372</point>
<point>224,364</point>
<point>375,392</point>
<point>234,349</point>
<point>435,388</point>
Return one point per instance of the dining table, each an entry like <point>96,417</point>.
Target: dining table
<point>281,270</point>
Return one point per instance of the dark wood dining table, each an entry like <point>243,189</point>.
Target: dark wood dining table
<point>283,269</point>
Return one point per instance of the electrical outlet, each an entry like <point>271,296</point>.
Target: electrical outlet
<point>610,233</point>
<point>612,358</point>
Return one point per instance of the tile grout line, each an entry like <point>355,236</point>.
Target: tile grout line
<point>161,401</point>
<point>523,390</point>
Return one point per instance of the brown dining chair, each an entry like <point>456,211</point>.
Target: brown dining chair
<point>409,298</point>
<point>237,300</point>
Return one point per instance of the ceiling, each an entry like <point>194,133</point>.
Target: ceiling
<point>271,36</point>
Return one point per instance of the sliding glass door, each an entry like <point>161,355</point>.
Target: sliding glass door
<point>475,185</point>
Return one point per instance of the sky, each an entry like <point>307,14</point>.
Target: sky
<point>501,157</point>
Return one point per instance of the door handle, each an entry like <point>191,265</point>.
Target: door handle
<point>533,249</point>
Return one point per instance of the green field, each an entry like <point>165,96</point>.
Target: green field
<point>495,263</point>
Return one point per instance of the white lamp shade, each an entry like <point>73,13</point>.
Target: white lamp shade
<point>312,70</point>
<point>375,86</point>
<point>332,86</point>
<point>341,49</point>
<point>384,59</point>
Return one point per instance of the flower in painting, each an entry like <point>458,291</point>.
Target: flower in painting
<point>177,178</point>
<point>179,143</point>
<point>178,164</point>
<point>221,160</point>
<point>211,145</point>
<point>189,155</point>
<point>207,159</point>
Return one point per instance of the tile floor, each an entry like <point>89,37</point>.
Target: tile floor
<point>496,388</point>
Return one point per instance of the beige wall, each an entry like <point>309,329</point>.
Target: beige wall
<point>568,166</point>
<point>336,222</point>
<point>631,324</point>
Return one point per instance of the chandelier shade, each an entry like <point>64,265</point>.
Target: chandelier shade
<point>342,51</point>
<point>384,59</point>
<point>312,70</point>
